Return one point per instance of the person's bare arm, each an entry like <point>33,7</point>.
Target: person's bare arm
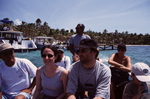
<point>0,95</point>
<point>98,98</point>
<point>72,49</point>
<point>75,57</point>
<point>38,84</point>
<point>70,96</point>
<point>128,67</point>
<point>120,66</point>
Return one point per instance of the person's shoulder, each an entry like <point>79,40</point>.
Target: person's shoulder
<point>64,71</point>
<point>22,59</point>
<point>87,36</point>
<point>131,85</point>
<point>73,35</point>
<point>114,55</point>
<point>39,68</point>
<point>66,57</point>
<point>102,66</point>
<point>127,57</point>
<point>64,74</point>
<point>2,65</point>
<point>76,65</point>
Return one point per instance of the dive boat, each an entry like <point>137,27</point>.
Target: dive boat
<point>15,38</point>
<point>42,41</point>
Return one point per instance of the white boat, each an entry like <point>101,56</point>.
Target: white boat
<point>42,41</point>
<point>15,38</point>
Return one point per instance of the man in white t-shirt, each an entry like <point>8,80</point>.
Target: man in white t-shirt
<point>15,75</point>
<point>64,61</point>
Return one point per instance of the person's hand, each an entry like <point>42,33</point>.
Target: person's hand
<point>27,91</point>
<point>141,88</point>
<point>112,66</point>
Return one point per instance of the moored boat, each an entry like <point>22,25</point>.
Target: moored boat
<point>15,38</point>
<point>42,41</point>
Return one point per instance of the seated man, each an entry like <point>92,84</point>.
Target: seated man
<point>15,75</point>
<point>88,75</point>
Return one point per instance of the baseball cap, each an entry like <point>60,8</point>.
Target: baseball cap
<point>88,43</point>
<point>5,46</point>
<point>141,71</point>
<point>60,49</point>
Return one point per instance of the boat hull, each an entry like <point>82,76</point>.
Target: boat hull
<point>25,46</point>
<point>15,38</point>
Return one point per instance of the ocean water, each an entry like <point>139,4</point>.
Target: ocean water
<point>136,53</point>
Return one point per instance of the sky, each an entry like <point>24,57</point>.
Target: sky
<point>122,15</point>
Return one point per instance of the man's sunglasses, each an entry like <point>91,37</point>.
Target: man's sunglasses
<point>79,28</point>
<point>82,50</point>
<point>49,55</point>
<point>122,50</point>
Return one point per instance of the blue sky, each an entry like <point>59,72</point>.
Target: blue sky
<point>122,15</point>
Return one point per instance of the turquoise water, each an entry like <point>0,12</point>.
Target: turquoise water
<point>136,53</point>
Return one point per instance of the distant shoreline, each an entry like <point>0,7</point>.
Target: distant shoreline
<point>137,45</point>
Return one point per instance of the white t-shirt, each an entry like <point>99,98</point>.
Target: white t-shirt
<point>65,62</point>
<point>14,79</point>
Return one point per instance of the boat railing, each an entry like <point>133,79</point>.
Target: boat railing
<point>24,44</point>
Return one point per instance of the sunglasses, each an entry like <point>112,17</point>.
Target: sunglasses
<point>82,50</point>
<point>122,50</point>
<point>49,55</point>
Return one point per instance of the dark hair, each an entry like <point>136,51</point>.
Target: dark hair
<point>50,47</point>
<point>91,44</point>
<point>5,51</point>
<point>121,47</point>
<point>95,50</point>
<point>81,26</point>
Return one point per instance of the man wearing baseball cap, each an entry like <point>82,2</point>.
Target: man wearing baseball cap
<point>141,77</point>
<point>88,74</point>
<point>15,75</point>
<point>63,60</point>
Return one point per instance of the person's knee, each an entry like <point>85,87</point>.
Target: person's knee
<point>20,97</point>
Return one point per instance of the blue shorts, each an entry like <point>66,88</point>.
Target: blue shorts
<point>27,96</point>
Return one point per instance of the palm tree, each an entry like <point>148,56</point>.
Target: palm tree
<point>38,23</point>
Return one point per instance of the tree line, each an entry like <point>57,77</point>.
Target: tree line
<point>32,30</point>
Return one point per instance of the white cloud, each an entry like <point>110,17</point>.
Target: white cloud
<point>18,22</point>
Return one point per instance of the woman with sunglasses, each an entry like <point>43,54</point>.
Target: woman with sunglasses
<point>120,66</point>
<point>51,79</point>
